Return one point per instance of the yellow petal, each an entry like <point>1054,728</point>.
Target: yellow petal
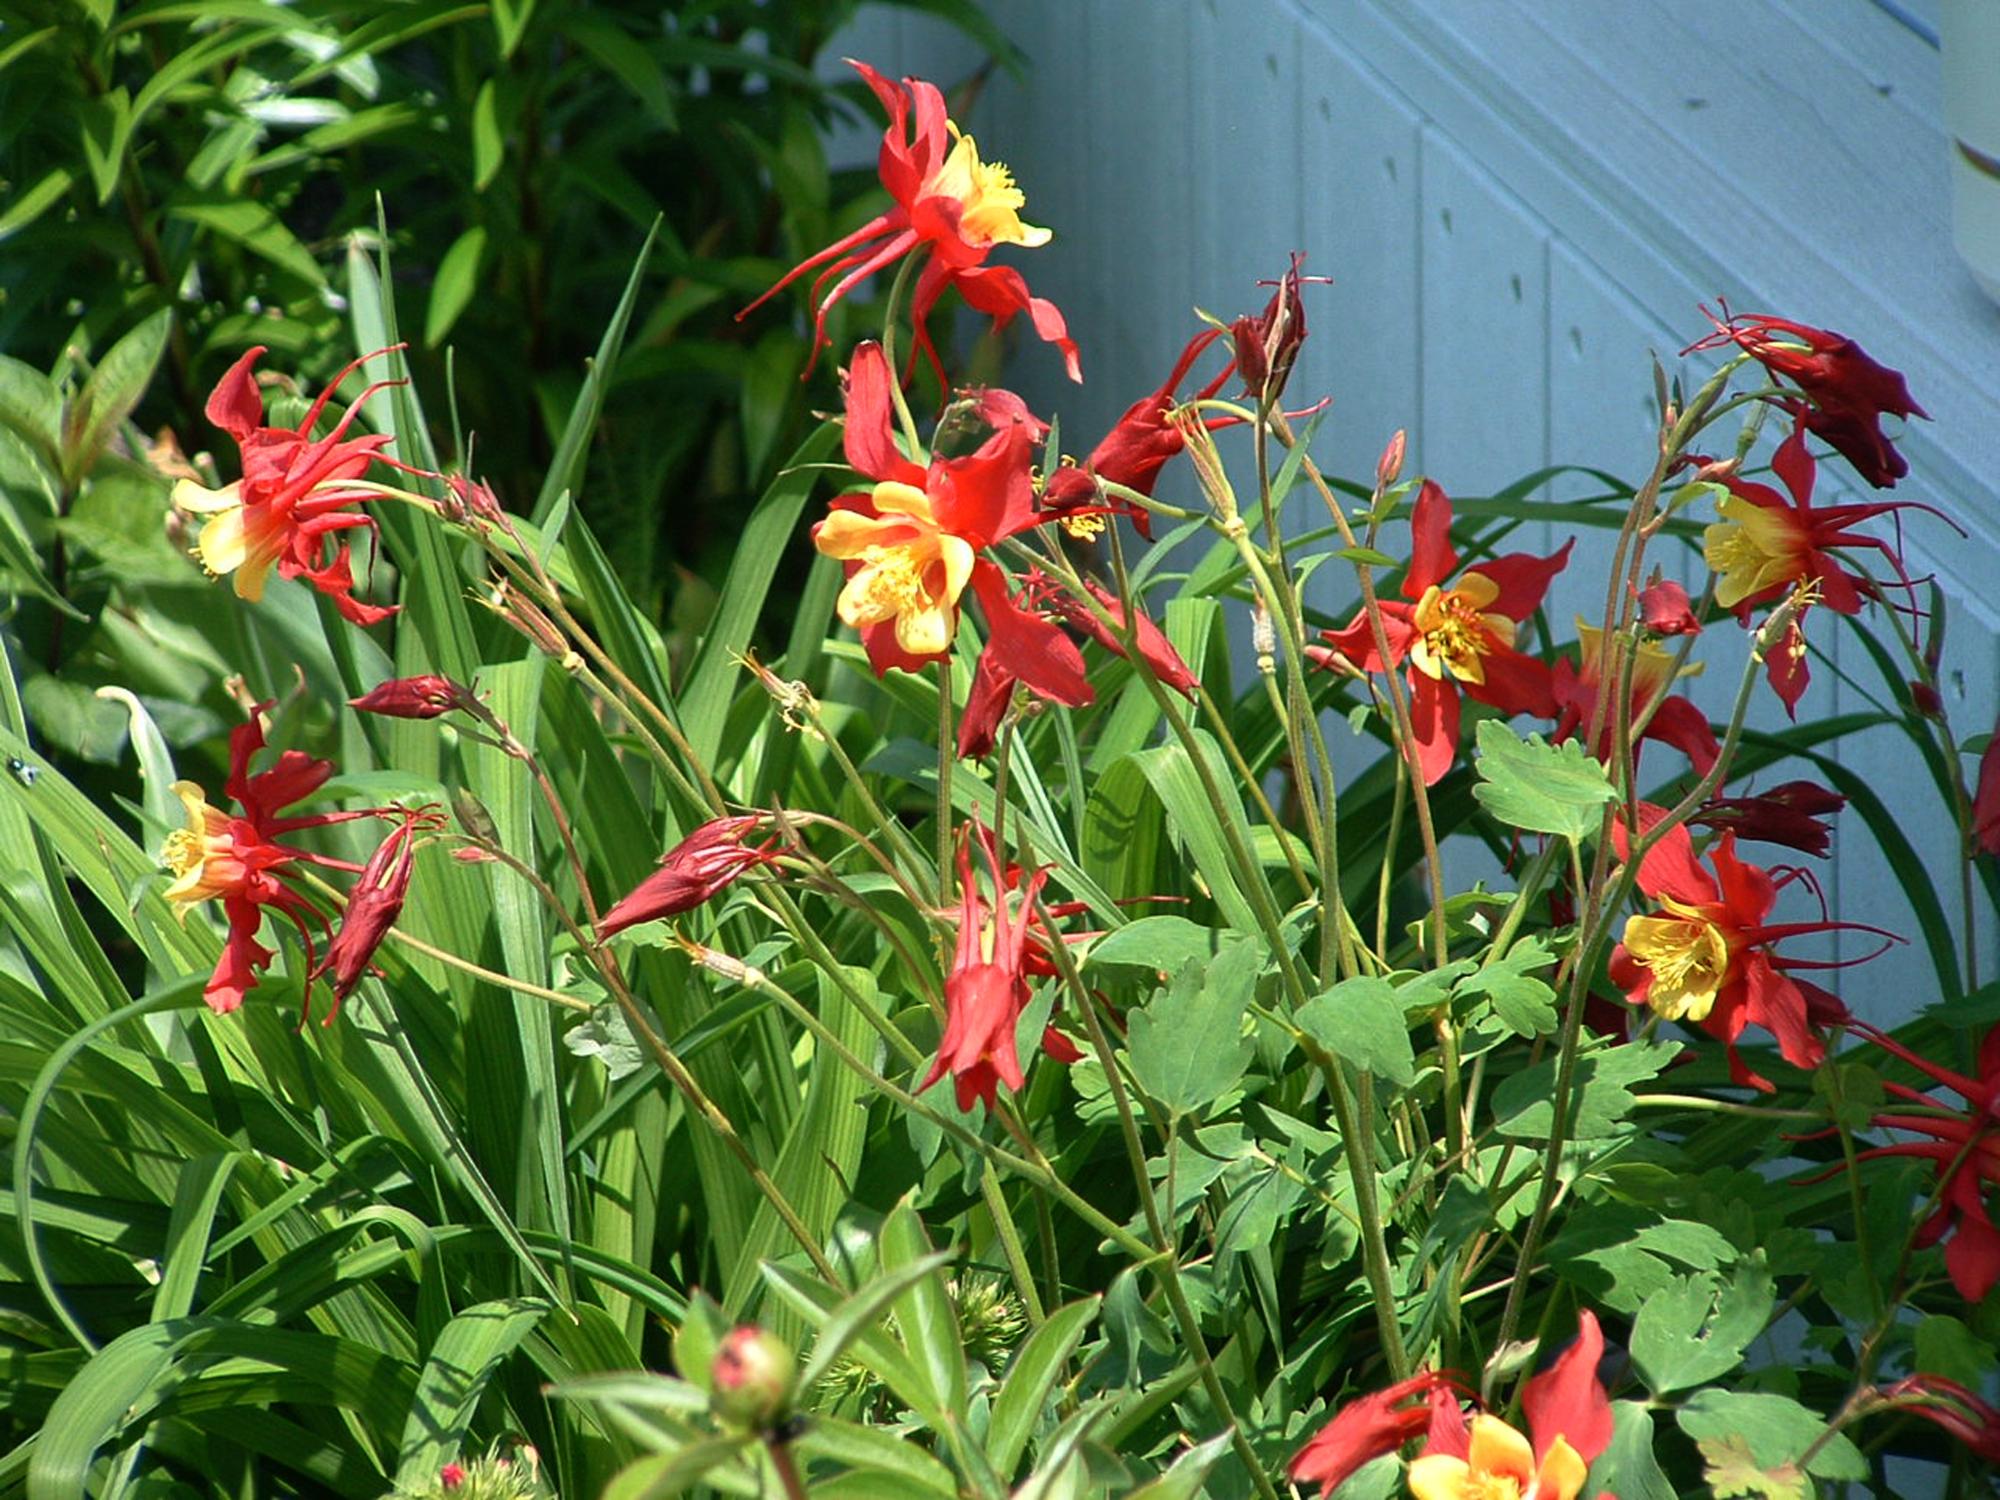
<point>1497,1449</point>
<point>250,577</point>
<point>848,534</point>
<point>862,601</point>
<point>897,499</point>
<point>1438,1476</point>
<point>201,500</point>
<point>222,545</point>
<point>1477,590</point>
<point>926,632</point>
<point>1562,1472</point>
<point>956,554</point>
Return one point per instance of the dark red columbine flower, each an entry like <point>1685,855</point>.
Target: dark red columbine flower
<point>987,988</point>
<point>1455,638</point>
<point>1673,720</point>
<point>1154,648</point>
<point>949,206</point>
<point>1267,345</point>
<point>295,497</point>
<point>1138,446</point>
<point>1845,392</point>
<point>373,905</point>
<point>1964,1146</point>
<point>423,697</point>
<point>1368,1427</point>
<point>1707,954</point>
<point>242,859</point>
<point>1791,814</point>
<point>1569,1425</point>
<point>1768,544</point>
<point>1965,1414</point>
<point>693,872</point>
<point>911,544</point>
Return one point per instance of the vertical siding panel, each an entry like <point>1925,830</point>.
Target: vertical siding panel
<point>1484,373</point>
<point>873,36</point>
<point>1359,189</point>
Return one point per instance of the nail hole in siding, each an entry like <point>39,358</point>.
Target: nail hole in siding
<point>1576,341</point>
<point>1271,63</point>
<point>1885,89</point>
<point>1694,101</point>
<point>1326,109</point>
<point>1958,684</point>
<point>1389,166</point>
<point>1515,282</point>
<point>1444,218</point>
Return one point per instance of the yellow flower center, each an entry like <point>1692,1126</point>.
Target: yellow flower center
<point>1689,958</point>
<point>182,851</point>
<point>231,541</point>
<point>1454,629</point>
<point>1499,1465</point>
<point>911,571</point>
<point>1752,548</point>
<point>1084,528</point>
<point>989,203</point>
<point>202,855</point>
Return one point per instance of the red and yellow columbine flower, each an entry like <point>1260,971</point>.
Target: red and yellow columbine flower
<point>1455,636</point>
<point>1964,1146</point>
<point>1569,1422</point>
<point>911,543</point>
<point>1674,720</point>
<point>987,988</point>
<point>1767,544</point>
<point>1845,393</point>
<point>948,205</point>
<point>1706,955</point>
<point>240,859</point>
<point>294,499</point>
<point>1370,1426</point>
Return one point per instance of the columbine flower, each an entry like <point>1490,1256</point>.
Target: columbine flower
<point>239,859</point>
<point>1964,1145</point>
<point>1790,814</point>
<point>1706,955</point>
<point>1458,636</point>
<point>1674,720</point>
<point>1846,393</point>
<point>1569,1418</point>
<point>987,988</point>
<point>1767,544</point>
<point>1368,1427</point>
<point>1138,446</point>
<point>1267,345</point>
<point>691,873</point>
<point>1664,609</point>
<point>949,205</point>
<point>911,544</point>
<point>293,500</point>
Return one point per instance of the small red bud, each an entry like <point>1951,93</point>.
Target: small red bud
<point>1665,610</point>
<point>1390,465</point>
<point>1929,702</point>
<point>424,697</point>
<point>451,1476</point>
<point>752,1375</point>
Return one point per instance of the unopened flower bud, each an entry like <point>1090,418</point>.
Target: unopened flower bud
<point>424,697</point>
<point>1664,609</point>
<point>752,1378</point>
<point>691,873</point>
<point>1929,702</point>
<point>473,817</point>
<point>1389,467</point>
<point>451,1476</point>
<point>372,909</point>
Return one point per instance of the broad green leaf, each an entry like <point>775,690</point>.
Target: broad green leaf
<point>113,389</point>
<point>1163,944</point>
<point>457,282</point>
<point>1525,1005</point>
<point>853,1322</point>
<point>461,1362</point>
<point>1361,1021</point>
<point>1024,1394</point>
<point>1777,1429</point>
<point>1629,1468</point>
<point>1523,1104</point>
<point>1539,787</point>
<point>876,1454</point>
<point>670,1474</point>
<point>925,1316</point>
<point>1733,1473</point>
<point>488,148</point>
<point>1185,1479</point>
<point>1187,1047</point>
<point>1697,1329</point>
<point>196,1196</point>
<point>253,226</point>
<point>1945,1346</point>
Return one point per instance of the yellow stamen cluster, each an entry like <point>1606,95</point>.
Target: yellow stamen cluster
<point>911,571</point>
<point>202,855</point>
<point>1689,958</point>
<point>1455,629</point>
<point>1752,548</point>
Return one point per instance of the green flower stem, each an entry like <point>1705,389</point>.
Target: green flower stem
<point>890,309</point>
<point>947,758</point>
<point>1010,1245</point>
<point>893,827</point>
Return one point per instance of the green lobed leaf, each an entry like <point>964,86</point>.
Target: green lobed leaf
<point>1630,1468</point>
<point>1523,1104</point>
<point>1361,1021</point>
<point>1542,788</point>
<point>1696,1330</point>
<point>1777,1430</point>
<point>1187,1047</point>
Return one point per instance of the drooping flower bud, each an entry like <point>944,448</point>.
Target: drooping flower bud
<point>752,1377</point>
<point>1664,609</point>
<point>372,909</point>
<point>1154,648</point>
<point>1790,814</point>
<point>1389,467</point>
<point>691,873</point>
<point>423,697</point>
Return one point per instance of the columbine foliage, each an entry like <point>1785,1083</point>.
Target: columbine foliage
<point>989,1052</point>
